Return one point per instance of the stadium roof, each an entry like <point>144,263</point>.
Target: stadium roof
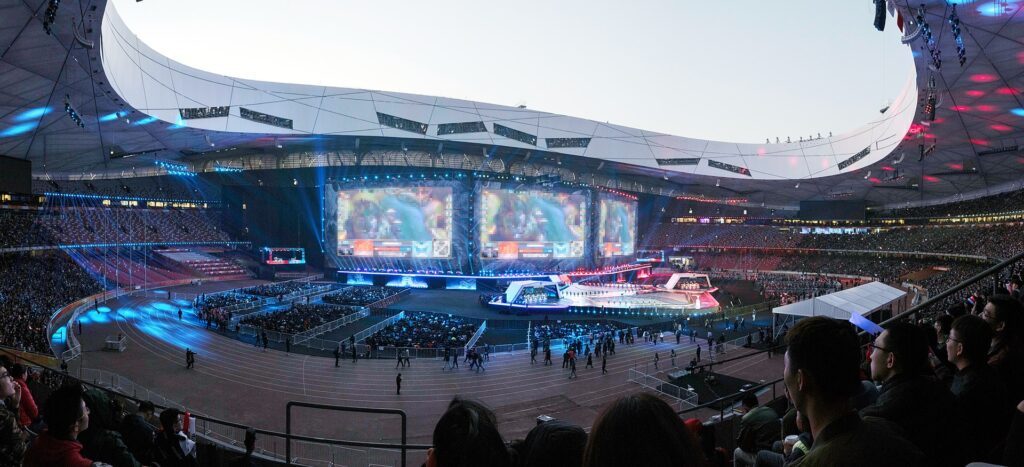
<point>136,105</point>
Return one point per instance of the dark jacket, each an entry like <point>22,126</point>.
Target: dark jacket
<point>922,408</point>
<point>12,439</point>
<point>762,424</point>
<point>853,442</point>
<point>981,410</point>
<point>139,436</point>
<point>168,451</point>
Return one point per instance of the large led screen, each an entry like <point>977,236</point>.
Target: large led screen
<point>397,222</point>
<point>616,227</point>
<point>531,224</point>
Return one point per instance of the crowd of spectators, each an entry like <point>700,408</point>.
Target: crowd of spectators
<point>359,295</point>
<point>298,318</point>
<point>278,289</point>
<point>788,288</point>
<point>426,331</point>
<point>548,331</point>
<point>995,204</point>
<point>18,228</point>
<point>33,287</point>
<point>91,225</point>
<point>994,241</point>
<point>212,302</point>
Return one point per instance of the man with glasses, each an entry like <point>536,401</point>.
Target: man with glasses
<point>822,366</point>
<point>910,396</point>
<point>982,409</point>
<point>1006,354</point>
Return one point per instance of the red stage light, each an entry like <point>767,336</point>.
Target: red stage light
<point>986,108</point>
<point>999,127</point>
<point>888,168</point>
<point>931,179</point>
<point>975,93</point>
<point>983,78</point>
<point>961,108</point>
<point>1007,91</point>
<point>979,142</point>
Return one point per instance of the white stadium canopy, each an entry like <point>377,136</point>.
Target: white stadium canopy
<point>861,300</point>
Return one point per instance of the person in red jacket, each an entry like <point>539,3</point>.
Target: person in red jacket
<point>27,410</point>
<point>66,415</point>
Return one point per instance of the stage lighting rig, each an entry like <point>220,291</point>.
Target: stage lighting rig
<point>954,24</point>
<point>50,16</point>
<point>70,110</point>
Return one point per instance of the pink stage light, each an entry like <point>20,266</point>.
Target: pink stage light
<point>983,78</point>
<point>931,179</point>
<point>986,108</point>
<point>999,127</point>
<point>975,93</point>
<point>1008,91</point>
<point>961,108</point>
<point>979,142</point>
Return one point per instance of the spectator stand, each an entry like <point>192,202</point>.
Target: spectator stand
<point>309,337</point>
<point>306,337</point>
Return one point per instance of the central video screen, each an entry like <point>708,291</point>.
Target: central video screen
<point>531,224</point>
<point>395,222</point>
<point>616,227</point>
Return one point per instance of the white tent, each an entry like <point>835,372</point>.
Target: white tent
<point>861,300</point>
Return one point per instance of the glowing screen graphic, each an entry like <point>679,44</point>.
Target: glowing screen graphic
<point>531,224</point>
<point>616,227</point>
<point>283,255</point>
<point>403,222</point>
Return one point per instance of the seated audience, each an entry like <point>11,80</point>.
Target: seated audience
<point>466,435</point>
<point>246,460</point>
<point>66,416</point>
<point>552,444</point>
<point>910,396</point>
<point>425,330</point>
<point>642,430</point>
<point>101,441</point>
<point>1006,316</point>
<point>138,433</point>
<point>172,447</point>
<point>12,438</point>
<point>759,428</point>
<point>980,396</point>
<point>822,365</point>
<point>27,410</point>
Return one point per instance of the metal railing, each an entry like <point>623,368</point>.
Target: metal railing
<point>682,397</point>
<point>362,335</point>
<point>271,445</point>
<point>325,328</point>
<point>476,335</point>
